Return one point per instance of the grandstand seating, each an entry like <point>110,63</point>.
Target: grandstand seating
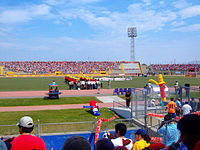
<point>71,67</point>
<point>131,68</point>
<point>116,91</point>
<point>176,67</point>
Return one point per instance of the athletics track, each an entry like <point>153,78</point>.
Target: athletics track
<point>65,93</point>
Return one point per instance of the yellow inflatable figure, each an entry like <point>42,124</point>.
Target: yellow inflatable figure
<point>161,83</point>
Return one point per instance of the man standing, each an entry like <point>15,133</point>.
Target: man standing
<point>176,87</point>
<point>109,83</point>
<point>128,98</point>
<point>171,106</point>
<point>120,141</point>
<point>149,88</point>
<point>26,141</point>
<point>178,104</point>
<point>187,109</point>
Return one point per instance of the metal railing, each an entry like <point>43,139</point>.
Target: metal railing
<point>64,127</point>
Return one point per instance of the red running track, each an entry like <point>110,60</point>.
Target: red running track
<point>21,94</point>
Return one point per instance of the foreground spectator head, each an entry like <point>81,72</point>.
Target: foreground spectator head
<point>76,143</point>
<point>2,145</point>
<point>142,134</point>
<point>189,128</point>
<point>167,117</point>
<point>25,125</point>
<point>27,141</point>
<point>104,144</point>
<point>120,129</point>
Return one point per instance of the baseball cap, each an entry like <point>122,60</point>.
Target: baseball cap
<point>141,131</point>
<point>76,143</point>
<point>26,122</point>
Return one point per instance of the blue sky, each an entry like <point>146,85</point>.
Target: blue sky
<point>96,30</point>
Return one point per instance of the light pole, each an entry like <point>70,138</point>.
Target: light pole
<point>132,32</point>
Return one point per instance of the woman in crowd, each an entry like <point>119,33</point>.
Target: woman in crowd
<point>142,138</point>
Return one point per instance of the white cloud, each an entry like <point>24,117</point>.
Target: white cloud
<point>190,11</point>
<point>176,23</point>
<point>55,2</point>
<point>180,4</point>
<point>136,15</point>
<point>190,28</point>
<point>162,3</point>
<point>147,2</point>
<point>12,16</point>
<point>84,1</point>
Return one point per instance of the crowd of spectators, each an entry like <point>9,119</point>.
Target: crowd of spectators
<point>176,67</point>
<point>189,137</point>
<point>66,67</point>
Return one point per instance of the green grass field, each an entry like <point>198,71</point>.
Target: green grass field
<point>41,101</point>
<point>41,83</point>
<point>71,115</point>
<point>56,116</point>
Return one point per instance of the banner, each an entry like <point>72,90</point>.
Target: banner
<point>99,127</point>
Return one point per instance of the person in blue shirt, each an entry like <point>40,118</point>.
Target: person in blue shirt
<point>172,134</point>
<point>179,106</point>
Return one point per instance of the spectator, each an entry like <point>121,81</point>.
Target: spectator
<point>56,89</point>
<point>172,133</point>
<point>178,104</point>
<point>76,143</point>
<point>142,138</point>
<point>109,83</point>
<point>190,133</point>
<point>51,90</point>
<point>128,98</point>
<point>2,145</point>
<point>149,86</point>
<point>104,144</point>
<point>101,83</point>
<point>187,109</point>
<point>151,103</point>
<point>120,141</point>
<point>176,87</point>
<point>26,141</point>
<point>171,108</point>
<point>161,103</point>
<point>197,105</point>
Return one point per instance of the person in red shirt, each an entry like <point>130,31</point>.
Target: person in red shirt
<point>171,106</point>
<point>26,141</point>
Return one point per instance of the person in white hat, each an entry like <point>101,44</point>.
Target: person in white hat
<point>26,141</point>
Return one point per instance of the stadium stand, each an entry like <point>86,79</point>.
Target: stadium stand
<point>176,67</point>
<point>71,67</point>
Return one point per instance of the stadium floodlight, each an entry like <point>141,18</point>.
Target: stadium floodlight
<point>132,32</point>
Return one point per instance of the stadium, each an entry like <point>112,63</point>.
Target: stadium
<point>69,71</point>
<point>25,86</point>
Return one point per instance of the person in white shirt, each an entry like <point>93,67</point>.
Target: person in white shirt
<point>186,109</point>
<point>120,141</point>
<point>151,103</point>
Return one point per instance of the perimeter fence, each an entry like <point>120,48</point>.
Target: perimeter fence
<point>65,127</point>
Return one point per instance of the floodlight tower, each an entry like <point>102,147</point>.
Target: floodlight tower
<point>132,32</point>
